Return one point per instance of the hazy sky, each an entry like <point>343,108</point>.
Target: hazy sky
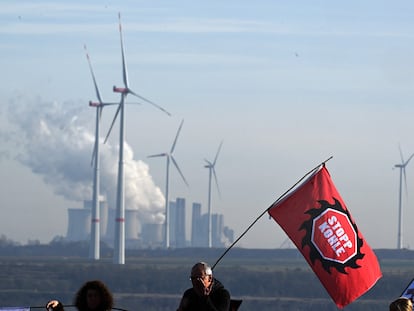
<point>284,85</point>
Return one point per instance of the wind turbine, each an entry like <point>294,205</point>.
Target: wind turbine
<point>212,171</point>
<point>94,248</point>
<point>119,242</point>
<point>169,155</point>
<point>400,211</point>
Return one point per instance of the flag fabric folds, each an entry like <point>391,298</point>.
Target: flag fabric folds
<point>315,218</point>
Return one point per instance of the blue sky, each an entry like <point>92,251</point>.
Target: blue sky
<point>284,85</point>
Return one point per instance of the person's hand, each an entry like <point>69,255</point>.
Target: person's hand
<point>202,286</point>
<point>207,288</point>
<point>52,304</point>
<point>198,286</point>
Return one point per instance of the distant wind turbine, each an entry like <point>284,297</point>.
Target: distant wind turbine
<point>400,211</point>
<point>94,248</point>
<point>212,171</point>
<point>119,242</point>
<point>169,155</point>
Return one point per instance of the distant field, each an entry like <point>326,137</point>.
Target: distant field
<point>265,280</point>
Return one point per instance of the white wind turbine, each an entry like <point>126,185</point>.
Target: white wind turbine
<point>400,211</point>
<point>212,171</point>
<point>119,242</point>
<point>169,155</point>
<point>94,248</point>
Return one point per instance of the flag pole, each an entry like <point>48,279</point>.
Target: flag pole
<point>265,211</point>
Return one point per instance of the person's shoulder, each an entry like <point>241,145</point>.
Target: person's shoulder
<point>218,284</point>
<point>218,287</point>
<point>189,292</point>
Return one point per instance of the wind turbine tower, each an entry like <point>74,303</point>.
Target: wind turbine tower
<point>119,242</point>
<point>400,211</point>
<point>94,248</point>
<point>169,156</point>
<point>211,171</point>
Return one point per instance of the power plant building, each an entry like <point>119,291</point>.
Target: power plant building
<point>79,224</point>
<point>198,232</point>
<point>151,235</point>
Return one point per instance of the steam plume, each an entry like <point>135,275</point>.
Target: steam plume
<point>55,141</point>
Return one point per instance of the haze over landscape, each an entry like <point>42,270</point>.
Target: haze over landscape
<point>284,85</point>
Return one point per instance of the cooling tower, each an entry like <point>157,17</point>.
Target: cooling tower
<point>152,234</point>
<point>103,217</point>
<point>131,224</point>
<point>110,229</point>
<point>79,224</point>
<point>103,214</point>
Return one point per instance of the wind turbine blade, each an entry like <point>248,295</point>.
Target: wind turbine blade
<point>405,175</point>
<point>179,171</point>
<point>176,136</point>
<point>405,164</point>
<point>401,154</point>
<point>215,179</point>
<point>124,69</point>
<point>113,122</point>
<point>405,180</point>
<point>108,104</point>
<point>136,103</point>
<point>157,155</point>
<point>98,95</point>
<point>93,155</point>
<point>218,151</point>
<point>150,102</point>
<point>100,113</point>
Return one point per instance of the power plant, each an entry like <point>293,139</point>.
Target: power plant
<point>151,235</point>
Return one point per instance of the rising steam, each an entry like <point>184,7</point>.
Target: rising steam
<point>55,141</point>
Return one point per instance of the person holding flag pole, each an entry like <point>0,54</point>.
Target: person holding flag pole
<point>207,293</point>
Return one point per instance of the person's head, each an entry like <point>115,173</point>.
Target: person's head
<point>401,304</point>
<point>94,295</point>
<point>201,271</point>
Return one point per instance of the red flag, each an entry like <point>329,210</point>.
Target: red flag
<point>317,221</point>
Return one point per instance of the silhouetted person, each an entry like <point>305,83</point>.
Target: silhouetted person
<point>92,296</point>
<point>207,293</point>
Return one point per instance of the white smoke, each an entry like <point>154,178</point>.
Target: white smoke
<point>55,141</point>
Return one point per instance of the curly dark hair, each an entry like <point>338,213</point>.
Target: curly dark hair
<point>107,300</point>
